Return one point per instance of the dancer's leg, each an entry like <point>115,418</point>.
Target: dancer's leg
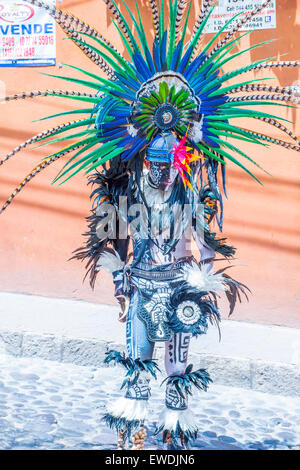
<point>177,420</point>
<point>138,345</point>
<point>176,354</point>
<point>127,415</point>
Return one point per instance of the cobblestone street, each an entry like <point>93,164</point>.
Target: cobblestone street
<point>49,405</point>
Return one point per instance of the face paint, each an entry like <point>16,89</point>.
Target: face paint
<point>162,175</point>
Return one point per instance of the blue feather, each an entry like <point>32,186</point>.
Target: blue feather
<point>203,73</point>
<point>107,135</point>
<point>193,67</point>
<point>223,168</point>
<point>119,115</point>
<point>124,95</point>
<point>176,55</point>
<point>204,82</point>
<point>137,73</point>
<point>185,60</point>
<point>129,82</point>
<point>197,82</point>
<point>207,93</point>
<point>115,123</point>
<point>128,140</point>
<point>150,61</point>
<point>141,66</point>
<point>156,55</point>
<point>163,51</point>
<point>209,141</point>
<point>137,145</point>
<point>214,101</point>
<point>120,111</point>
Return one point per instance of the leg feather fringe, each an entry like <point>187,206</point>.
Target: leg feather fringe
<point>134,367</point>
<point>178,422</point>
<point>199,379</point>
<point>126,415</point>
<point>129,409</point>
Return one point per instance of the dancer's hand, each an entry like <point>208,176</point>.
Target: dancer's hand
<point>124,304</point>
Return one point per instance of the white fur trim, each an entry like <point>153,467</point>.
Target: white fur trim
<point>129,409</point>
<point>201,279</point>
<point>110,262</point>
<point>169,419</point>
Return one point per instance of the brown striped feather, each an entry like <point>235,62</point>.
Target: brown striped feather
<point>33,94</point>
<point>62,18</point>
<point>35,139</point>
<point>117,16</point>
<point>155,17</point>
<point>33,173</point>
<point>180,11</point>
<point>273,97</point>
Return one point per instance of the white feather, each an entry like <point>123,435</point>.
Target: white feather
<point>195,133</point>
<point>202,279</point>
<point>132,131</point>
<point>110,262</point>
<point>129,409</point>
<point>169,419</point>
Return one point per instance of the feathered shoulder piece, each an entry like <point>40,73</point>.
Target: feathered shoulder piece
<point>166,83</point>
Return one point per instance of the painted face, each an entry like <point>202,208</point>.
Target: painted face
<point>162,174</point>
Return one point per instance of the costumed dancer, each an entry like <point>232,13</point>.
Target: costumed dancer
<point>158,133</point>
<point>163,292</point>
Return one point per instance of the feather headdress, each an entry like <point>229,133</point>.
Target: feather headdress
<point>165,84</point>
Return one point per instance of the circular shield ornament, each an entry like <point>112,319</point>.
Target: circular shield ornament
<point>188,312</point>
<point>166,116</point>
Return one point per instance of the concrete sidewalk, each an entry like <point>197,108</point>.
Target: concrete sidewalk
<point>259,357</point>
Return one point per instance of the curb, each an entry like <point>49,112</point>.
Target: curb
<point>259,375</point>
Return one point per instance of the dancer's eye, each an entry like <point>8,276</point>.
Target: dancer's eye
<point>164,167</point>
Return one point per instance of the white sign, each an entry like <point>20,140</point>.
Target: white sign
<point>27,35</point>
<point>226,9</point>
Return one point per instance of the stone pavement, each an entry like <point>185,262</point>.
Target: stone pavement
<point>249,355</point>
<point>50,405</point>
